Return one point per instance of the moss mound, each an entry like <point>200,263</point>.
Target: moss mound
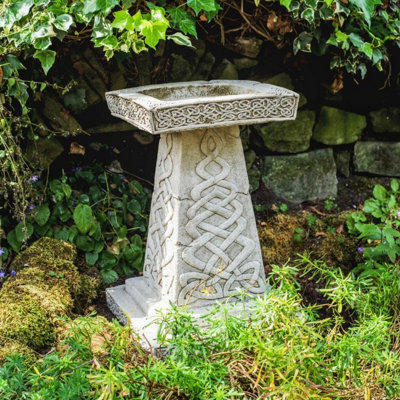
<point>283,236</point>
<point>11,347</point>
<point>47,286</point>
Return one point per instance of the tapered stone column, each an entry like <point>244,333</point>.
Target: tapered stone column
<point>202,244</point>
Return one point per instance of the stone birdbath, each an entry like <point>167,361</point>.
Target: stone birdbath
<point>202,244</point>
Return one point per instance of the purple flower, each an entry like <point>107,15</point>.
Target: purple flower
<point>31,207</point>
<point>360,249</point>
<point>2,274</point>
<point>1,251</point>
<point>34,178</point>
<point>76,169</point>
<point>122,177</point>
<point>13,272</point>
<point>398,214</point>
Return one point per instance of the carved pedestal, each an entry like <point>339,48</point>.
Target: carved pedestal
<point>202,244</point>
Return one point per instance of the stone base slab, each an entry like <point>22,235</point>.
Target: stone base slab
<point>128,303</point>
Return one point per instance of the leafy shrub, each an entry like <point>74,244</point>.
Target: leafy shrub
<point>378,225</point>
<point>103,214</point>
<point>283,350</point>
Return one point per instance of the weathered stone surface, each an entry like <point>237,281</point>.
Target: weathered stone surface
<point>386,120</point>
<point>245,63</point>
<point>91,97</point>
<point>202,244</point>
<point>380,158</point>
<point>118,80</point>
<point>301,177</point>
<point>176,107</point>
<point>225,70</point>
<point>182,68</point>
<point>92,77</point>
<point>204,68</point>
<point>75,100</point>
<point>284,80</point>
<point>247,47</point>
<point>336,126</point>
<point>343,159</point>
<point>93,59</point>
<point>118,126</point>
<point>60,119</point>
<point>254,178</point>
<point>250,157</point>
<point>289,136</point>
<point>144,65</point>
<point>44,151</point>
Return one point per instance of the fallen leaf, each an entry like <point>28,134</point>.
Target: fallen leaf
<point>76,148</point>
<point>97,344</point>
<point>318,234</point>
<point>203,18</point>
<point>1,75</point>
<point>340,228</point>
<point>337,84</point>
<point>317,211</point>
<point>278,25</point>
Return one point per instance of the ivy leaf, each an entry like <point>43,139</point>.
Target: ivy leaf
<point>181,39</point>
<point>183,20</point>
<point>20,9</point>
<point>202,5</point>
<point>122,20</point>
<point>46,58</point>
<point>366,48</point>
<point>83,217</point>
<point>105,6</point>
<point>154,30</point>
<point>285,3</point>
<point>42,214</point>
<point>356,40</point>
<point>303,43</point>
<point>63,22</point>
<point>367,7</point>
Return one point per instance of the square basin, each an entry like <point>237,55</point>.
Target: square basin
<point>186,106</point>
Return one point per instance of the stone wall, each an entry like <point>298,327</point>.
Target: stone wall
<point>337,134</point>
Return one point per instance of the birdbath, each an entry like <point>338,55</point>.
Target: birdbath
<point>202,243</point>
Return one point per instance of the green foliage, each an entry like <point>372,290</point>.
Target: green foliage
<point>378,225</point>
<point>285,350</point>
<point>359,32</point>
<point>106,220</point>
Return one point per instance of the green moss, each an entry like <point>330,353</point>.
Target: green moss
<point>47,286</point>
<point>52,293</point>
<point>45,249</point>
<point>11,347</point>
<point>88,290</point>
<point>26,321</point>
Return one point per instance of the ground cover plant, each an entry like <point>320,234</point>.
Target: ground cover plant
<point>345,346</point>
<point>103,213</point>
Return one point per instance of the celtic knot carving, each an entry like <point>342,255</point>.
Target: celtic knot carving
<point>158,254</point>
<point>220,255</point>
<point>129,111</point>
<point>274,108</point>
